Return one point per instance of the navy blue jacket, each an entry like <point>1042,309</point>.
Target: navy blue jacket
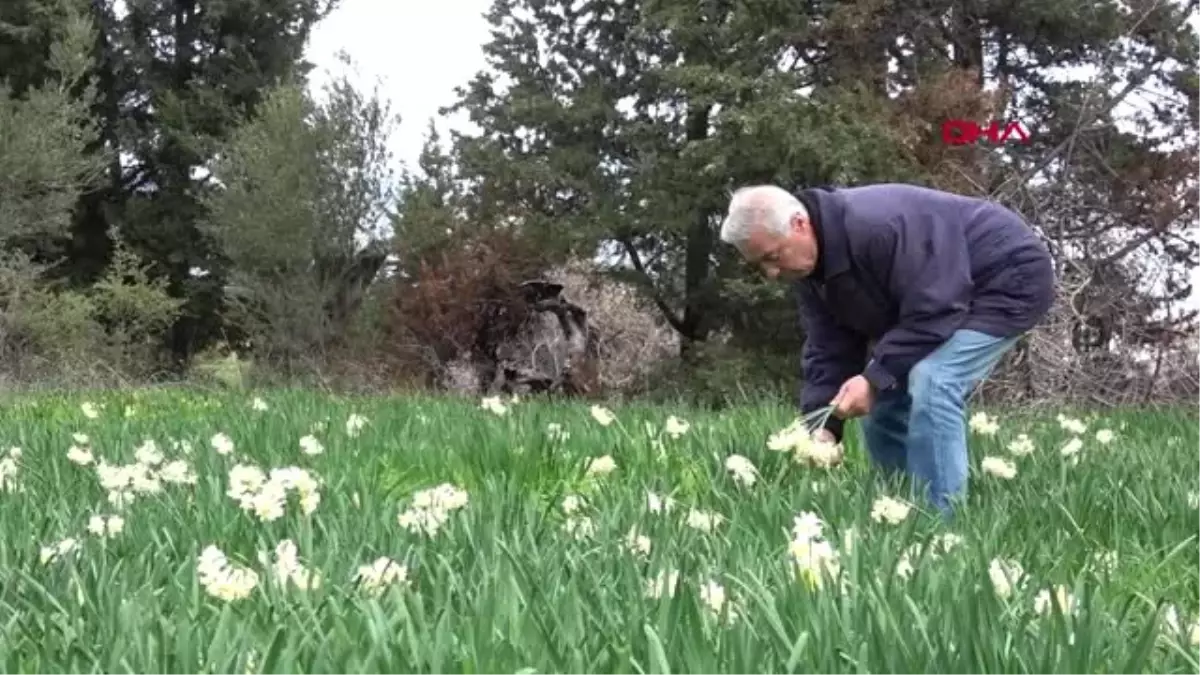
<point>904,267</point>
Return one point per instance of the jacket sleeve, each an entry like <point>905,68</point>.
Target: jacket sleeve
<point>832,354</point>
<point>931,278</point>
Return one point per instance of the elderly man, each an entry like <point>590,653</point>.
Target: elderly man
<point>908,298</point>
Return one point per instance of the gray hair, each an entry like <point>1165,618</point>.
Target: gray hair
<point>765,206</point>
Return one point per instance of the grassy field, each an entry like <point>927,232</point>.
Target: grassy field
<point>532,557</point>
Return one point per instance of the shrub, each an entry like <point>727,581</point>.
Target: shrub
<point>462,302</point>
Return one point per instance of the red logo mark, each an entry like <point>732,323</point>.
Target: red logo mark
<point>965,132</point>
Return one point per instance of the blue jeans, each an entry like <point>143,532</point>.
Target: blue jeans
<point>922,429</point>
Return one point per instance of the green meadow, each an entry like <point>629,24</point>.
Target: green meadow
<point>171,531</point>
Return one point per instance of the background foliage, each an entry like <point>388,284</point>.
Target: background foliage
<point>166,204</point>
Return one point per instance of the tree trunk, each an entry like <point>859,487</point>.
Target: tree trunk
<point>698,253</point>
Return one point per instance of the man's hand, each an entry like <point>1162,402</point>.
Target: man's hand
<point>854,399</point>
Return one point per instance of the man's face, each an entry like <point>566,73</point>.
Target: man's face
<point>788,257</point>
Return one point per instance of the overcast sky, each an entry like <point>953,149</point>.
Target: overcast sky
<point>417,51</point>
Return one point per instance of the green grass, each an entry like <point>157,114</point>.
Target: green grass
<point>503,588</point>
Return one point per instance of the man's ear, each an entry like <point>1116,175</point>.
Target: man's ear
<point>799,224</point>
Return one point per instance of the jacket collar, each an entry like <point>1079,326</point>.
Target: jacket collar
<point>827,215</point>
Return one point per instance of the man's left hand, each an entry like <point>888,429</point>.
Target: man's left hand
<point>854,399</point>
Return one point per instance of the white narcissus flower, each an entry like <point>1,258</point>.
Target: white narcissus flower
<point>580,527</point>
<point>148,453</point>
<point>1173,626</point>
<point>222,444</point>
<point>935,548</point>
<point>602,415</point>
<point>1045,601</point>
<point>288,569</point>
<point>742,469</point>
<point>80,455</point>
<point>824,454</point>
<point>1072,425</point>
<point>431,508</point>
<point>383,572</point>
<point>1104,436</point>
<point>114,477</point>
<point>147,476</point>
<point>422,521</point>
<point>676,427</point>
<point>146,480</point>
<point>805,449</point>
<point>1021,446</point>
<point>355,424</point>
<point>705,521</point>
<point>658,504</point>
<point>601,466</point>
<point>266,495</point>
<point>237,584</point>
<point>223,580</point>
<point>177,472</point>
<point>1105,562</point>
<point>572,503</point>
<point>90,410</point>
<point>1005,575</point>
<point>245,478</point>
<point>309,445</point>
<point>269,503</point>
<point>946,542</point>
<point>103,526</point>
<point>807,526</point>
<point>981,423</point>
<point>998,467</point>
<point>889,510</point>
<point>9,468</point>
<point>1072,448</point>
<point>258,404</point>
<point>493,405</point>
<point>444,496</point>
<point>713,595</point>
<point>637,543</point>
<point>556,432</point>
<point>57,550</point>
<point>813,560</point>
